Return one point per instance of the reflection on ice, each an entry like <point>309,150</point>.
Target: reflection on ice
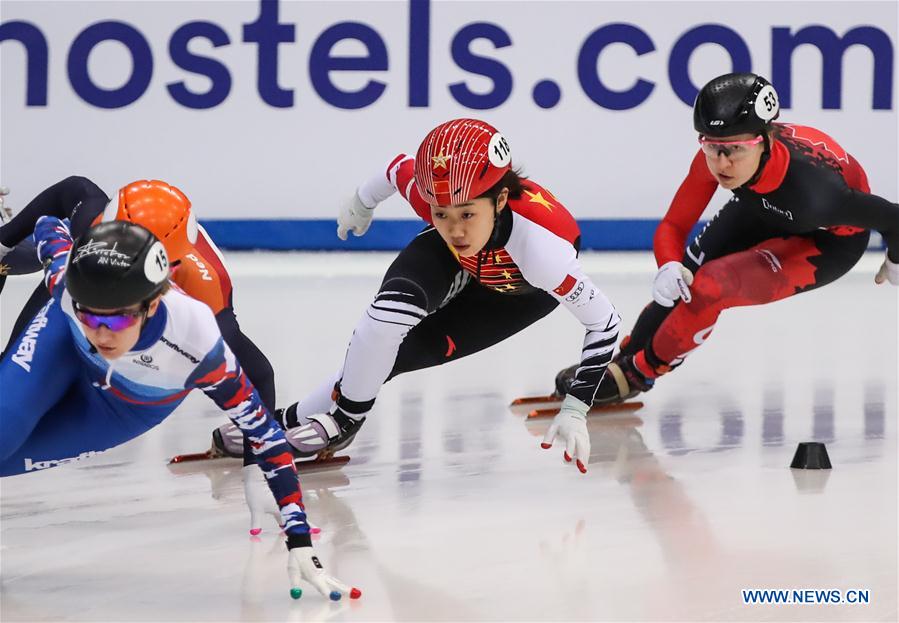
<point>449,509</point>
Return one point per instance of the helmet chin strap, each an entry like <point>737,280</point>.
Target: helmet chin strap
<point>766,155</point>
<point>145,308</point>
<point>494,235</point>
<point>494,238</point>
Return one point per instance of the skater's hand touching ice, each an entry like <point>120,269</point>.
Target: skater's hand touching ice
<point>303,564</point>
<point>889,271</point>
<point>259,498</point>
<point>260,501</point>
<point>570,426</point>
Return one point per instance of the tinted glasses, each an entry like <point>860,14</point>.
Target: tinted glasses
<point>114,321</point>
<point>733,150</point>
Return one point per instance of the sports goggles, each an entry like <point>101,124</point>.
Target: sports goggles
<point>733,150</point>
<point>116,321</point>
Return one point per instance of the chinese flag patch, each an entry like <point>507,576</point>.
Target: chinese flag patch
<point>566,285</point>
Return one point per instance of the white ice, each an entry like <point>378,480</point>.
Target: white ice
<point>449,509</point>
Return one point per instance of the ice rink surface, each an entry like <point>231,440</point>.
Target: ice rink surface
<point>449,509</point>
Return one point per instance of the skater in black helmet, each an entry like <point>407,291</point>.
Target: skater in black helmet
<point>799,219</point>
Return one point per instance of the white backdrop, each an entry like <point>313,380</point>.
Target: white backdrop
<point>244,158</point>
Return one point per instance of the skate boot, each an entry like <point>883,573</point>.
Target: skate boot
<point>227,440</point>
<point>622,381</point>
<point>322,434</point>
<point>564,379</point>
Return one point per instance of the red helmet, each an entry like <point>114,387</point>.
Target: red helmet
<point>460,160</point>
<point>161,208</point>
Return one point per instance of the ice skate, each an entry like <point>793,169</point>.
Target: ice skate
<point>621,383</point>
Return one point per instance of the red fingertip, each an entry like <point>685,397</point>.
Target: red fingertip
<point>581,467</point>
<point>567,458</point>
<point>546,446</point>
<point>355,593</point>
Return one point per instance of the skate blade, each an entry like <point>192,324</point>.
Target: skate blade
<point>322,464</point>
<point>611,408</point>
<point>522,406</point>
<point>199,456</point>
<point>190,458</point>
<point>535,400</point>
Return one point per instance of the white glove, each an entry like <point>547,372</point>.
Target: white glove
<point>354,215</point>
<point>303,564</point>
<point>570,425</point>
<point>889,271</point>
<point>5,210</point>
<point>671,283</point>
<point>259,498</point>
<point>5,216</point>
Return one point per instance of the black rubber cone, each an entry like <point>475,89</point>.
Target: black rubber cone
<point>811,455</point>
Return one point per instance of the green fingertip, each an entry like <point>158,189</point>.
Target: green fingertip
<point>296,593</point>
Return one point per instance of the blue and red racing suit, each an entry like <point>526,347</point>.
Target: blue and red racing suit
<point>62,401</point>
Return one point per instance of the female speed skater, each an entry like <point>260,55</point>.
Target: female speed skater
<point>499,253</point>
<point>799,219</point>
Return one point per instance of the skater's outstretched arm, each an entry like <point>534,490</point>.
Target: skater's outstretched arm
<point>75,198</point>
<point>220,376</point>
<point>552,265</point>
<point>53,244</point>
<point>686,208</point>
<point>356,212</point>
<point>863,209</point>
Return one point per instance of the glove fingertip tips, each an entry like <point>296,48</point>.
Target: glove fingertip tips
<point>334,596</point>
<point>255,531</point>
<point>355,593</point>
<point>296,593</point>
<point>546,446</point>
<point>581,467</point>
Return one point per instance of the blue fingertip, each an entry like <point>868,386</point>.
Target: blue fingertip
<point>335,595</point>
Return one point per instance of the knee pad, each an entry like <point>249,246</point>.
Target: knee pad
<point>714,283</point>
<point>399,302</point>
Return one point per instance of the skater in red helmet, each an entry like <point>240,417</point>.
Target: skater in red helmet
<point>499,253</point>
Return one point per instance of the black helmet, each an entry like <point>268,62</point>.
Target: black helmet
<point>735,104</point>
<point>115,265</point>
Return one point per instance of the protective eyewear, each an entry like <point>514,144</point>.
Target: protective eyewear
<point>733,150</point>
<point>116,321</point>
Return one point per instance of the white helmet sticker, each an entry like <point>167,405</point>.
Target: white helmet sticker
<point>498,151</point>
<point>766,103</point>
<point>156,264</point>
<point>111,210</point>
<point>192,228</point>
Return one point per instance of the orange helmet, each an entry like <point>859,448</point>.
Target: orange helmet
<point>161,208</point>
